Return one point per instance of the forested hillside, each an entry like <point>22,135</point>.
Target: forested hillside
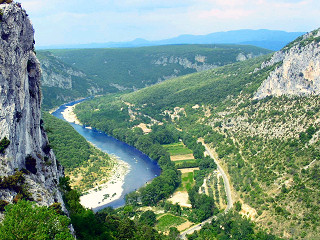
<point>61,83</point>
<point>134,68</point>
<point>269,147</point>
<point>86,165</point>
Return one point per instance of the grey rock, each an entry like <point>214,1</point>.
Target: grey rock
<point>20,114</point>
<point>299,73</point>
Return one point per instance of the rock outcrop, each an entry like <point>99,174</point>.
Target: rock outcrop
<point>199,64</point>
<point>28,152</point>
<point>62,83</point>
<point>299,73</point>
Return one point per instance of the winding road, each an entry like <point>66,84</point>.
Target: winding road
<point>228,192</point>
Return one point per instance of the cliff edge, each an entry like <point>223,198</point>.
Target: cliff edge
<point>299,73</point>
<point>28,167</point>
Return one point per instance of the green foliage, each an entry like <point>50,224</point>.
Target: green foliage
<point>203,206</point>
<point>81,83</point>
<point>76,154</point>
<point>3,203</point>
<point>177,149</point>
<point>15,182</point>
<point>231,226</point>
<point>70,148</point>
<point>4,143</point>
<point>143,66</point>
<point>148,218</point>
<point>238,206</point>
<point>25,220</point>
<point>107,223</point>
<point>209,87</point>
<point>167,221</point>
<point>161,187</point>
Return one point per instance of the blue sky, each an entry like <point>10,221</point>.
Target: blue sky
<point>97,21</point>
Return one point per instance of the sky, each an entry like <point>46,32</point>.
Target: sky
<point>99,21</point>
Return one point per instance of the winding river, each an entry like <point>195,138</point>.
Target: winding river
<point>142,168</point>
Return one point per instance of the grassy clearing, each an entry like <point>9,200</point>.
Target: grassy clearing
<point>185,161</point>
<point>189,163</point>
<point>177,149</point>
<point>167,221</point>
<point>187,181</point>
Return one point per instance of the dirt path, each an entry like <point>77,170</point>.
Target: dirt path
<point>182,198</point>
<point>187,170</point>
<point>182,157</point>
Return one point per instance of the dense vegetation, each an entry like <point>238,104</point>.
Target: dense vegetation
<point>25,220</point>
<point>70,148</point>
<point>275,170</point>
<point>62,82</point>
<point>74,73</point>
<point>86,165</point>
<point>144,66</point>
<point>108,223</point>
<point>231,226</point>
<point>209,87</point>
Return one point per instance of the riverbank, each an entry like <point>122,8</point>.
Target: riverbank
<point>70,116</point>
<point>142,168</point>
<point>108,192</point>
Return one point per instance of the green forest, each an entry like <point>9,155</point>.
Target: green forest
<point>76,155</point>
<point>70,74</point>
<point>136,67</point>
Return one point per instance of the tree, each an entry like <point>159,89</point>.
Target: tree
<point>4,143</point>
<point>148,218</point>
<point>174,233</point>
<point>26,220</point>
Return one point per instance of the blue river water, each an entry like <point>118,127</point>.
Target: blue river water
<point>142,168</point>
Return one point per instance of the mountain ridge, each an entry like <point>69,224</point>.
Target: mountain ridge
<point>270,39</point>
<point>69,74</point>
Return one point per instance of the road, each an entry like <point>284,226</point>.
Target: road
<point>228,192</point>
<point>225,179</point>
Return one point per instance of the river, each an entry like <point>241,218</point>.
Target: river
<point>142,168</point>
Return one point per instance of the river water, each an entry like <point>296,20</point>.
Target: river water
<point>142,168</point>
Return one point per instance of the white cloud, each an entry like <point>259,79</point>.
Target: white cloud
<point>83,21</point>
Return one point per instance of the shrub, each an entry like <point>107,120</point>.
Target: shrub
<point>4,143</point>
<point>15,182</point>
<point>148,218</point>
<point>25,220</point>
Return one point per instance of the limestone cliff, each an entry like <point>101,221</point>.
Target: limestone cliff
<point>20,115</point>
<point>299,73</point>
<point>62,82</point>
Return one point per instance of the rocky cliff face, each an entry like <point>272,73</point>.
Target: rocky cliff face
<point>55,73</point>
<point>63,83</point>
<point>299,73</point>
<point>20,115</point>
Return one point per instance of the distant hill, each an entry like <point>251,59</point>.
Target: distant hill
<point>60,82</point>
<point>135,68</point>
<point>270,39</point>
